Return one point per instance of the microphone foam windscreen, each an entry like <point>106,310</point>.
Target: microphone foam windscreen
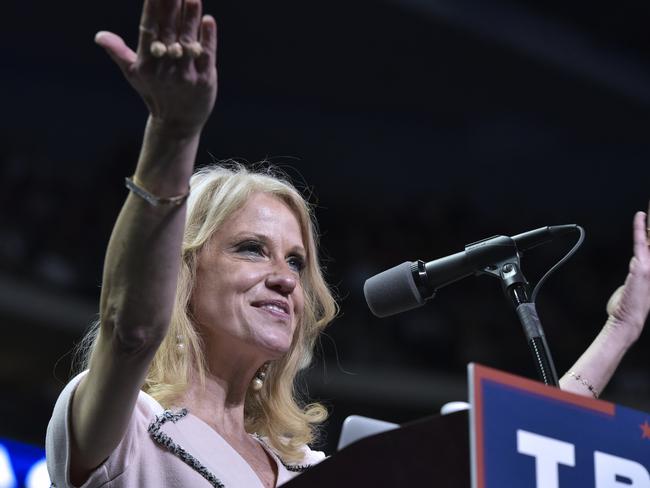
<point>392,291</point>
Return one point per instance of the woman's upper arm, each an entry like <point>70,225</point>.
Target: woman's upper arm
<point>103,403</point>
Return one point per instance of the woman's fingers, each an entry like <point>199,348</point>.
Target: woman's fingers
<point>148,31</point>
<point>173,26</point>
<point>188,31</point>
<point>647,225</point>
<point>148,20</point>
<point>174,69</point>
<point>119,52</point>
<point>641,250</point>
<point>208,36</point>
<point>168,15</point>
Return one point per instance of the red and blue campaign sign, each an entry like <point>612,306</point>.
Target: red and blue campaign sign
<point>528,435</point>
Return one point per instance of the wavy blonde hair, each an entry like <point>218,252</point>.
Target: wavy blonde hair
<point>277,411</point>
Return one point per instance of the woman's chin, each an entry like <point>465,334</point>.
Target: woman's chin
<point>275,347</point>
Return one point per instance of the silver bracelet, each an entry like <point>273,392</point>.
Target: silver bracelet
<point>589,386</point>
<point>152,199</point>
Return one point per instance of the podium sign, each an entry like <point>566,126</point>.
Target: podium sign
<point>526,434</point>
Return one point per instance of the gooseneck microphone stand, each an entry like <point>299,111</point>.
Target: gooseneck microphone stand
<point>516,289</point>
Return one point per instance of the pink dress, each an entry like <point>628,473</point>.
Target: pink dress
<point>161,449</point>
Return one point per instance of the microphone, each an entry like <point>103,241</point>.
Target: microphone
<point>410,284</point>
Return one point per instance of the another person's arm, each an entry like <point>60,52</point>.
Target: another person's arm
<point>627,313</point>
<point>144,252</point>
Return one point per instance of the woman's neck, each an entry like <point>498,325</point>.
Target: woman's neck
<point>219,400</point>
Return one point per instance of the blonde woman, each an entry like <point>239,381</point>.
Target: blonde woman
<point>212,298</point>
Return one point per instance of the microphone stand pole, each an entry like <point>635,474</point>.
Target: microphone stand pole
<point>515,288</point>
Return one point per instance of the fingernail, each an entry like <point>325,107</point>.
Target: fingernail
<point>97,36</point>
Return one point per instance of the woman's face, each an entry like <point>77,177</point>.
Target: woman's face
<point>248,296</point>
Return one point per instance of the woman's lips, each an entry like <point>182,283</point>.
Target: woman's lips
<point>276,308</point>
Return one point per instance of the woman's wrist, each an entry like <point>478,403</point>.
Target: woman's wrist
<point>174,131</point>
<point>584,384</point>
<point>167,159</point>
<point>620,334</point>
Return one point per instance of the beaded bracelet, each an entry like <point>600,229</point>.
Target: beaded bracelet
<point>589,386</point>
<point>152,199</point>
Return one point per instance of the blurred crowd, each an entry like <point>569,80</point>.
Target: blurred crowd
<point>56,221</point>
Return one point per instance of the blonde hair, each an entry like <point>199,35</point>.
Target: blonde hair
<point>276,411</point>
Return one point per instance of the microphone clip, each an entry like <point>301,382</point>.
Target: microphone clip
<point>514,283</point>
<point>516,288</point>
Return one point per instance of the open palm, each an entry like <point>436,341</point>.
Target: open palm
<point>629,305</point>
<point>179,92</point>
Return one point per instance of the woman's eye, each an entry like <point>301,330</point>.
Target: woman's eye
<point>297,263</point>
<point>250,247</point>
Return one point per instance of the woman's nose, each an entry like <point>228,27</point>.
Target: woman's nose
<point>284,281</point>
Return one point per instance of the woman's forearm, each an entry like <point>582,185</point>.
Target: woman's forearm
<point>597,364</point>
<point>627,311</point>
<point>144,251</point>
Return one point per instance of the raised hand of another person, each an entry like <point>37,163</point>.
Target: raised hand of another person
<point>173,68</point>
<point>627,310</point>
<point>629,305</point>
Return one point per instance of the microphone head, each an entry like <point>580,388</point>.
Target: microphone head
<point>393,291</point>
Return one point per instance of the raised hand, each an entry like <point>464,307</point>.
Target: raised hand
<point>628,310</point>
<point>174,66</point>
<point>629,305</point>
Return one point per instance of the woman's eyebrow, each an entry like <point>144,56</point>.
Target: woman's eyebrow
<point>295,249</point>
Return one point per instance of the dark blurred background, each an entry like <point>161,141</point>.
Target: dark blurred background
<point>418,125</point>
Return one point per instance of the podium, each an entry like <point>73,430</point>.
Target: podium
<point>430,452</point>
<point>519,433</point>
